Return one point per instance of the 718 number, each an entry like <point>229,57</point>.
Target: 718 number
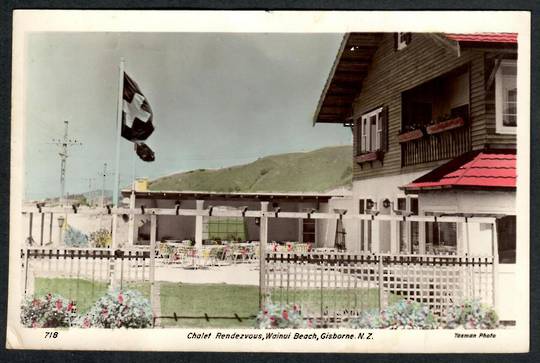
<point>51,334</point>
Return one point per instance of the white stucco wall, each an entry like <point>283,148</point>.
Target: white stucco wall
<point>379,189</point>
<point>468,201</point>
<point>479,234</point>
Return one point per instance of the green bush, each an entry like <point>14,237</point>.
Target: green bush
<point>75,238</point>
<point>101,238</point>
<point>282,316</point>
<point>49,311</point>
<point>472,314</point>
<point>119,309</point>
<point>405,314</point>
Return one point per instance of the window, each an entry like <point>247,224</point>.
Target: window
<point>224,228</point>
<point>308,230</point>
<point>436,114</point>
<point>402,40</point>
<point>412,234</point>
<point>441,98</point>
<point>506,97</point>
<point>365,226</point>
<point>441,237</point>
<point>506,239</point>
<point>372,131</point>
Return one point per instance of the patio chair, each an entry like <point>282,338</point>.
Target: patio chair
<point>177,255</point>
<point>218,256</point>
<point>251,252</point>
<point>164,251</point>
<point>205,257</point>
<point>192,258</point>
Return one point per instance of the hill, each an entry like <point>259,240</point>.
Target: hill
<point>315,171</point>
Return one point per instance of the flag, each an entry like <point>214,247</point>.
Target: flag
<point>137,123</point>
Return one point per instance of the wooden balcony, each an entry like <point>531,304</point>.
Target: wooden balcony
<point>441,146</point>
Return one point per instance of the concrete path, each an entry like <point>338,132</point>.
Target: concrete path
<point>238,274</point>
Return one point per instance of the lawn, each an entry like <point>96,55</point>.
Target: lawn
<point>220,302</point>
<point>214,305</point>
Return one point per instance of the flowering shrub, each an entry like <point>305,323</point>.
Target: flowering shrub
<point>101,238</point>
<point>127,309</point>
<point>75,238</point>
<point>281,316</point>
<point>472,314</point>
<point>50,311</point>
<point>405,314</point>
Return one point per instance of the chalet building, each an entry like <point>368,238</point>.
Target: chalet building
<point>434,123</point>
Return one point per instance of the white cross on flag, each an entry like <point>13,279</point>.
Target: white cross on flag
<point>137,123</point>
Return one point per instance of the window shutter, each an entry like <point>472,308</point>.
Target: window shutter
<point>384,124</point>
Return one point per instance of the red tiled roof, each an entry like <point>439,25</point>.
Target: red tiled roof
<point>485,170</point>
<point>484,37</point>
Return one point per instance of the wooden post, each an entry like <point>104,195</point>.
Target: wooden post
<point>375,236</point>
<point>408,227</point>
<point>131,225</point>
<point>263,238</point>
<point>30,227</point>
<point>42,227</point>
<point>467,243</point>
<point>114,232</point>
<point>381,298</point>
<point>495,254</point>
<point>26,259</point>
<point>199,226</point>
<point>322,286</point>
<point>152,277</point>
<point>51,228</point>
<point>422,235</point>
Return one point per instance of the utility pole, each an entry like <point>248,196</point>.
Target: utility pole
<point>64,144</point>
<point>91,192</point>
<point>104,175</point>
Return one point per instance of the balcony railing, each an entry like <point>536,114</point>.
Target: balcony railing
<point>441,146</point>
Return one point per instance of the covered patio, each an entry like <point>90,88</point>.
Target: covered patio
<point>238,230</point>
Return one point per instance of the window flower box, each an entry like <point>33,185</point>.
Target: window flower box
<point>370,156</point>
<point>445,126</point>
<point>408,136</point>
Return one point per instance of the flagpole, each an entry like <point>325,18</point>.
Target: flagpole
<point>131,223</point>
<point>118,136</point>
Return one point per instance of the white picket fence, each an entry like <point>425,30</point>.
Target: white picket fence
<point>330,286</point>
<point>95,265</point>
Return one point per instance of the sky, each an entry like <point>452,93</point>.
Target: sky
<point>218,99</point>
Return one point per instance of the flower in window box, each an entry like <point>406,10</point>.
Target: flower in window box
<point>410,134</point>
<point>370,156</point>
<point>446,125</point>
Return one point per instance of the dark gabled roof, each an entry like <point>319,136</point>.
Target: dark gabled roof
<point>345,79</point>
<point>354,57</point>
<point>485,169</point>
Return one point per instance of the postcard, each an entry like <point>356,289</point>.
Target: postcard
<point>270,181</point>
